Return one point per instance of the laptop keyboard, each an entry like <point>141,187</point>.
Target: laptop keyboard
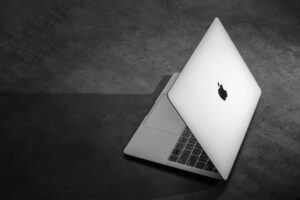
<point>187,151</point>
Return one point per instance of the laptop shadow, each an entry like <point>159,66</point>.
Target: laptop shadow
<point>71,146</point>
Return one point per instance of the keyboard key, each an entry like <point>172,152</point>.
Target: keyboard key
<point>182,140</point>
<point>215,170</point>
<point>198,146</point>
<point>179,145</point>
<point>209,166</point>
<point>186,133</point>
<point>192,140</point>
<point>189,146</point>
<point>203,154</point>
<point>197,151</point>
<point>200,165</point>
<point>192,160</point>
<point>184,156</point>
<point>173,158</point>
<point>176,152</point>
<point>203,158</point>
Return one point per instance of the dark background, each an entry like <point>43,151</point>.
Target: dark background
<point>77,78</point>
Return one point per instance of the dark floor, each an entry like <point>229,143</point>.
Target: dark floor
<point>66,64</point>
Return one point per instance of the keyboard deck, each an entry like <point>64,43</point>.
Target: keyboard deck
<point>187,151</point>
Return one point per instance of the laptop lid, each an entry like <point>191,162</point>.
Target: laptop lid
<point>216,95</point>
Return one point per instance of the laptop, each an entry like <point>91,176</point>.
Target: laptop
<point>200,118</point>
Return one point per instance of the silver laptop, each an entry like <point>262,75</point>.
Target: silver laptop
<point>199,120</point>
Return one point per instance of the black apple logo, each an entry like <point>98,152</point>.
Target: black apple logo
<point>222,92</point>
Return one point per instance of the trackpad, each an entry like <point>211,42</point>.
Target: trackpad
<point>164,117</point>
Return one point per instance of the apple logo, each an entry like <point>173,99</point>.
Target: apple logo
<point>222,92</point>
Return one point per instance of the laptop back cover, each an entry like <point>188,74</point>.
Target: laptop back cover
<point>216,95</point>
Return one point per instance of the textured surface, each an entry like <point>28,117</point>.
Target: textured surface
<point>76,76</point>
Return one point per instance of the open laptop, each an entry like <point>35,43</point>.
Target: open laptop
<point>199,120</point>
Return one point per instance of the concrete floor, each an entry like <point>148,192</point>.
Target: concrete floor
<point>127,47</point>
